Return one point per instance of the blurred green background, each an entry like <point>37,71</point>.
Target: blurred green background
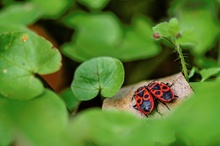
<point>122,29</point>
<point>83,29</point>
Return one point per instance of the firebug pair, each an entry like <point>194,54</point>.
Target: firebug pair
<point>147,97</point>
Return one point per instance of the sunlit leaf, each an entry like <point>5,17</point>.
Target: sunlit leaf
<point>22,55</point>
<point>101,74</point>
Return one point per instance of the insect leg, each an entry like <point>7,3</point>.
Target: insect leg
<point>135,107</point>
<point>156,103</point>
<point>176,96</point>
<point>170,85</point>
<point>164,104</point>
<point>146,116</point>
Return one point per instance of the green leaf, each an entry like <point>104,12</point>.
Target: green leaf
<point>101,128</point>
<point>209,72</point>
<point>101,74</point>
<point>97,34</point>
<point>173,27</point>
<point>12,28</point>
<point>193,71</point>
<point>200,34</point>
<point>162,29</point>
<point>199,116</point>
<point>20,14</point>
<point>22,55</point>
<point>105,127</point>
<point>52,8</point>
<point>138,42</point>
<point>92,39</point>
<point>167,29</point>
<point>36,121</point>
<point>94,4</point>
<point>70,100</point>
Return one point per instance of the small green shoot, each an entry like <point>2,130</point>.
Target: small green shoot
<point>171,32</point>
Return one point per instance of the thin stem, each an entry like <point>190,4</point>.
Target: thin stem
<point>183,63</point>
<point>182,59</point>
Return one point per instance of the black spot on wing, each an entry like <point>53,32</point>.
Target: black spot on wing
<point>146,106</point>
<point>156,87</point>
<point>141,93</point>
<point>158,92</point>
<point>167,95</point>
<point>146,96</point>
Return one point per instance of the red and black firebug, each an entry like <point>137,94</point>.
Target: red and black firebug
<point>144,100</point>
<point>147,97</point>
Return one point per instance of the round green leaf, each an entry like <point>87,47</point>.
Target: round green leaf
<point>22,55</point>
<point>94,4</point>
<point>102,74</point>
<point>37,121</point>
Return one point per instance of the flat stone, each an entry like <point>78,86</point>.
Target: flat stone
<point>123,99</point>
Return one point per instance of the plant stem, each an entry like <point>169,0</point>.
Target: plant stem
<point>183,63</point>
<point>179,50</point>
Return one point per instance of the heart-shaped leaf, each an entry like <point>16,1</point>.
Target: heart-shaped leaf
<point>22,55</point>
<point>102,74</point>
